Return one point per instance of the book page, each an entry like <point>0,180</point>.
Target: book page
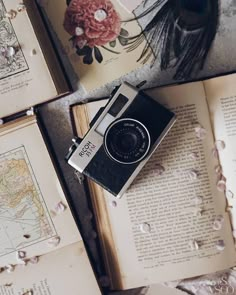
<point>221,95</point>
<point>32,217</point>
<point>64,271</point>
<point>163,290</point>
<point>116,61</point>
<point>20,86</point>
<point>172,203</point>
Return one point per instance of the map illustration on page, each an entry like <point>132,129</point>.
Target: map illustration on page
<point>24,216</point>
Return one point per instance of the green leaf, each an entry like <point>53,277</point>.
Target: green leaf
<point>113,43</point>
<point>124,32</point>
<point>123,41</point>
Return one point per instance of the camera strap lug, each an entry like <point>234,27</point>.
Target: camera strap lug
<point>79,176</point>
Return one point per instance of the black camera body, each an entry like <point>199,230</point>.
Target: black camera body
<point>121,139</point>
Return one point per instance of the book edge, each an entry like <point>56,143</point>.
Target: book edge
<point>81,120</point>
<point>49,52</point>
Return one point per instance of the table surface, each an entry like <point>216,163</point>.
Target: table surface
<point>56,116</point>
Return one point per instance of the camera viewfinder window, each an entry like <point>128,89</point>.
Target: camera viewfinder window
<point>118,105</point>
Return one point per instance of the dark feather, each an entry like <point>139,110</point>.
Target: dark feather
<point>181,31</point>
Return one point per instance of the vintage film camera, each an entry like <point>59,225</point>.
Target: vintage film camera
<point>121,139</point>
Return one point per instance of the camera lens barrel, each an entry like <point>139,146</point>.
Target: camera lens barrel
<point>127,141</point>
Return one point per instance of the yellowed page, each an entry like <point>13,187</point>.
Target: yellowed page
<point>113,65</point>
<point>167,202</point>
<point>29,194</point>
<point>163,290</point>
<point>24,78</point>
<point>221,95</point>
<point>64,271</point>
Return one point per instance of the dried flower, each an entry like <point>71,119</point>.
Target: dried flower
<point>97,22</point>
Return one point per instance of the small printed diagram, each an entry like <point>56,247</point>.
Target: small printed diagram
<point>12,60</point>
<point>24,217</point>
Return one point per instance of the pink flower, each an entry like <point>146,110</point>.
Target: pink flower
<point>92,22</point>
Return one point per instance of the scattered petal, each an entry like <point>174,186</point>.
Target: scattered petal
<point>220,245</point>
<point>21,7</point>
<point>159,169</point>
<point>53,242</point>
<point>220,145</point>
<point>9,268</point>
<point>100,15</point>
<point>60,207</point>
<point>221,185</point>
<point>79,31</point>
<point>229,208</point>
<point>10,51</point>
<point>193,155</point>
<point>193,174</point>
<point>145,227</point>
<point>198,212</point>
<point>20,255</point>
<point>11,14</point>
<point>34,260</point>
<point>198,200</point>
<point>33,52</point>
<point>215,153</point>
<point>218,222</point>
<point>30,112</point>
<point>229,194</point>
<point>218,170</point>
<point>200,132</point>
<point>1,122</point>
<point>193,245</point>
<point>223,178</point>
<point>113,204</point>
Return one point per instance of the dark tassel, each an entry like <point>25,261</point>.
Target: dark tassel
<point>181,31</point>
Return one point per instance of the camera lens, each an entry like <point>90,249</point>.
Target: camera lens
<point>127,141</point>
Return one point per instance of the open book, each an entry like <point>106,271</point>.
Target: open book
<point>115,60</point>
<point>41,249</point>
<point>173,222</point>
<point>29,69</point>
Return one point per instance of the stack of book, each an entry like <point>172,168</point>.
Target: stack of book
<point>177,220</point>
<point>41,249</point>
